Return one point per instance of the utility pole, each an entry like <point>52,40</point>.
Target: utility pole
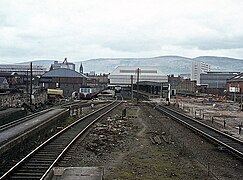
<point>137,84</point>
<point>27,83</point>
<point>169,92</point>
<point>161,90</point>
<point>30,84</point>
<point>132,88</point>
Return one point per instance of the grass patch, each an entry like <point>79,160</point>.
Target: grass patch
<point>67,121</point>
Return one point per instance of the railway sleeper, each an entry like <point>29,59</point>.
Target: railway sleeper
<point>32,170</point>
<point>40,161</point>
<point>51,150</point>
<point>30,176</point>
<point>60,143</point>
<point>38,164</point>
<point>53,146</point>
<point>45,156</point>
<point>25,167</point>
<point>49,153</point>
<point>36,158</point>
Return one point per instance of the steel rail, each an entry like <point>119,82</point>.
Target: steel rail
<point>24,119</point>
<point>55,146</point>
<point>231,143</point>
<point>74,139</point>
<point>21,120</point>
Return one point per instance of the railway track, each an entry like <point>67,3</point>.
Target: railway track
<point>39,162</point>
<point>232,144</point>
<point>24,119</point>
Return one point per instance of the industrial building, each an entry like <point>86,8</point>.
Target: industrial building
<point>64,64</point>
<point>22,69</point>
<point>199,68</point>
<point>216,79</point>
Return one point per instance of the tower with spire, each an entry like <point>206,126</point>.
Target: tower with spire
<point>81,69</point>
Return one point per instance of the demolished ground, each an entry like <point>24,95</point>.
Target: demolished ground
<point>148,145</point>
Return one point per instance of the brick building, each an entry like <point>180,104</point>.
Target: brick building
<point>65,79</point>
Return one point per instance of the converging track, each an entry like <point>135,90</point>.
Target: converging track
<point>39,162</point>
<point>230,143</point>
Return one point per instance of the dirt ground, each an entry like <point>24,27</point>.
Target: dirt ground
<point>226,115</point>
<point>148,145</point>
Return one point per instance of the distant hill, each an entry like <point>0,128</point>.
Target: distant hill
<point>45,63</point>
<point>222,63</point>
<point>167,64</point>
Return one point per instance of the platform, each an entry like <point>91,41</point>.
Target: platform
<point>77,173</point>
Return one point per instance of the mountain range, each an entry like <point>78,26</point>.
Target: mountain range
<point>167,64</point>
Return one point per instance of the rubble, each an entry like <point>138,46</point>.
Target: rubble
<point>132,156</point>
<point>108,134</point>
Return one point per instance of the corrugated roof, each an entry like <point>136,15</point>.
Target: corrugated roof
<point>128,70</point>
<point>236,78</point>
<point>63,72</point>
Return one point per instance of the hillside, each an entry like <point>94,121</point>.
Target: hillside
<point>167,64</point>
<point>222,63</point>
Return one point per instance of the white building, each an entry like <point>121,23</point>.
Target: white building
<point>199,68</point>
<point>122,75</point>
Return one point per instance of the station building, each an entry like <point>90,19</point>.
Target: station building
<point>150,79</point>
<point>123,75</point>
<point>64,79</point>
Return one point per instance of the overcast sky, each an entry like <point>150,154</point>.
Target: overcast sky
<point>85,29</point>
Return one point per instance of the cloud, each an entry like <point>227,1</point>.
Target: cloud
<point>80,29</point>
